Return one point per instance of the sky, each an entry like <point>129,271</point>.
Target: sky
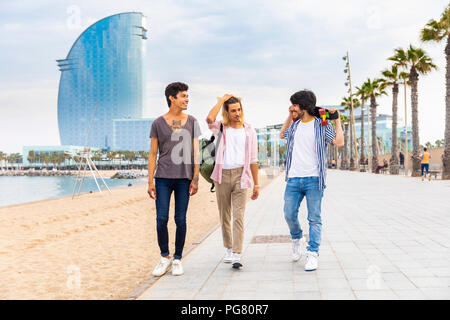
<point>262,51</point>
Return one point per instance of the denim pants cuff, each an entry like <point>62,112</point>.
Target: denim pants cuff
<point>297,237</point>
<point>313,250</point>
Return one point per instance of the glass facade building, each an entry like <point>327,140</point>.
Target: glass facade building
<point>383,127</point>
<point>104,67</point>
<point>271,148</point>
<point>132,134</point>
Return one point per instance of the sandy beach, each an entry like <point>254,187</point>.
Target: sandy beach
<point>97,246</point>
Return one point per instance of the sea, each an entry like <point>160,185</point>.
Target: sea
<point>18,189</point>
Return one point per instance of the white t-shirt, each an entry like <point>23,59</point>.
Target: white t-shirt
<point>304,161</point>
<point>234,156</point>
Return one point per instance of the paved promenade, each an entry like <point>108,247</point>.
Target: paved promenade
<point>383,237</point>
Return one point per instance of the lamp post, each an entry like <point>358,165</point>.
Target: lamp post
<point>369,149</point>
<point>406,133</point>
<point>349,83</point>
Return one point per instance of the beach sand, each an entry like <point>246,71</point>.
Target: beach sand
<point>97,246</point>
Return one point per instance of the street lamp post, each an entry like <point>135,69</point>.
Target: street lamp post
<point>406,133</point>
<point>349,78</point>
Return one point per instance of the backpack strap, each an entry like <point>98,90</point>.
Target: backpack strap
<point>217,147</point>
<point>220,134</point>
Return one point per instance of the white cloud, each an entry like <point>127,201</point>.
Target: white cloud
<point>29,115</point>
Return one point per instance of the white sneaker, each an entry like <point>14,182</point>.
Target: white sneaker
<point>298,247</point>
<point>162,267</point>
<point>228,256</point>
<point>311,261</point>
<point>177,267</point>
<point>236,261</point>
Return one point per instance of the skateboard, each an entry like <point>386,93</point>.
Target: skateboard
<point>324,115</point>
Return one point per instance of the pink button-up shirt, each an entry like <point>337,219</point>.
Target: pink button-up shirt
<point>251,153</point>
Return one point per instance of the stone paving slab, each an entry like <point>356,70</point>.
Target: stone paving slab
<point>383,237</point>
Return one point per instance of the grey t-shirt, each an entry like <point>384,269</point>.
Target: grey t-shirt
<point>176,156</point>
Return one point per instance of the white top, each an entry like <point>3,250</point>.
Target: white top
<point>304,157</point>
<point>234,156</point>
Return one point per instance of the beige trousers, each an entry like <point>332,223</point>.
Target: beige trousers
<point>230,197</point>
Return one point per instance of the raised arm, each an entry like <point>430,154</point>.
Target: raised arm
<point>215,110</point>
<point>339,139</point>
<point>287,123</point>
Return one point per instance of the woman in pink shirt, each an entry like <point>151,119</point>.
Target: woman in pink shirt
<point>235,171</point>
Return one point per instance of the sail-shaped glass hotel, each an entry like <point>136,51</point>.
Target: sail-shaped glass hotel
<point>105,66</point>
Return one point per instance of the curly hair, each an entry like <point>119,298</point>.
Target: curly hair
<point>305,99</point>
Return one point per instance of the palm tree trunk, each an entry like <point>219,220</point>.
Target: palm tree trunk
<point>373,109</point>
<point>393,168</point>
<point>344,164</point>
<point>414,78</point>
<point>446,155</point>
<point>335,154</point>
<point>352,160</point>
<point>362,158</point>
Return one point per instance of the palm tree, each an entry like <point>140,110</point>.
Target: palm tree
<point>374,89</point>
<point>3,158</point>
<point>392,77</point>
<point>363,97</point>
<point>436,31</point>
<point>439,143</point>
<point>380,145</point>
<point>97,157</point>
<point>111,155</point>
<point>14,158</point>
<point>9,160</point>
<point>54,159</point>
<point>346,103</point>
<point>59,159</point>
<point>418,62</point>
<point>46,158</point>
<point>31,157</point>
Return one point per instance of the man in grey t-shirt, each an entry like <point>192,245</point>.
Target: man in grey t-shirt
<point>175,135</point>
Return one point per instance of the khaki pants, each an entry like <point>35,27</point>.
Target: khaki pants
<point>230,196</point>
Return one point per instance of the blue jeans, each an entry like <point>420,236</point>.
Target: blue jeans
<point>296,190</point>
<point>425,166</point>
<point>164,188</point>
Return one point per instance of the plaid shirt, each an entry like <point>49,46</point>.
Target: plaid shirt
<point>323,135</point>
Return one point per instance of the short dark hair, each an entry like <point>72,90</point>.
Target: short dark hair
<point>424,149</point>
<point>173,89</point>
<point>306,99</point>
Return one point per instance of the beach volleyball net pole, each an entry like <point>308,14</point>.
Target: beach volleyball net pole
<point>86,162</point>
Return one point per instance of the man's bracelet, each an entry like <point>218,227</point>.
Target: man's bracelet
<point>256,186</point>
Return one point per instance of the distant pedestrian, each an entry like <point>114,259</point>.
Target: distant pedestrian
<point>384,166</point>
<point>425,157</point>
<point>402,159</point>
<point>306,156</point>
